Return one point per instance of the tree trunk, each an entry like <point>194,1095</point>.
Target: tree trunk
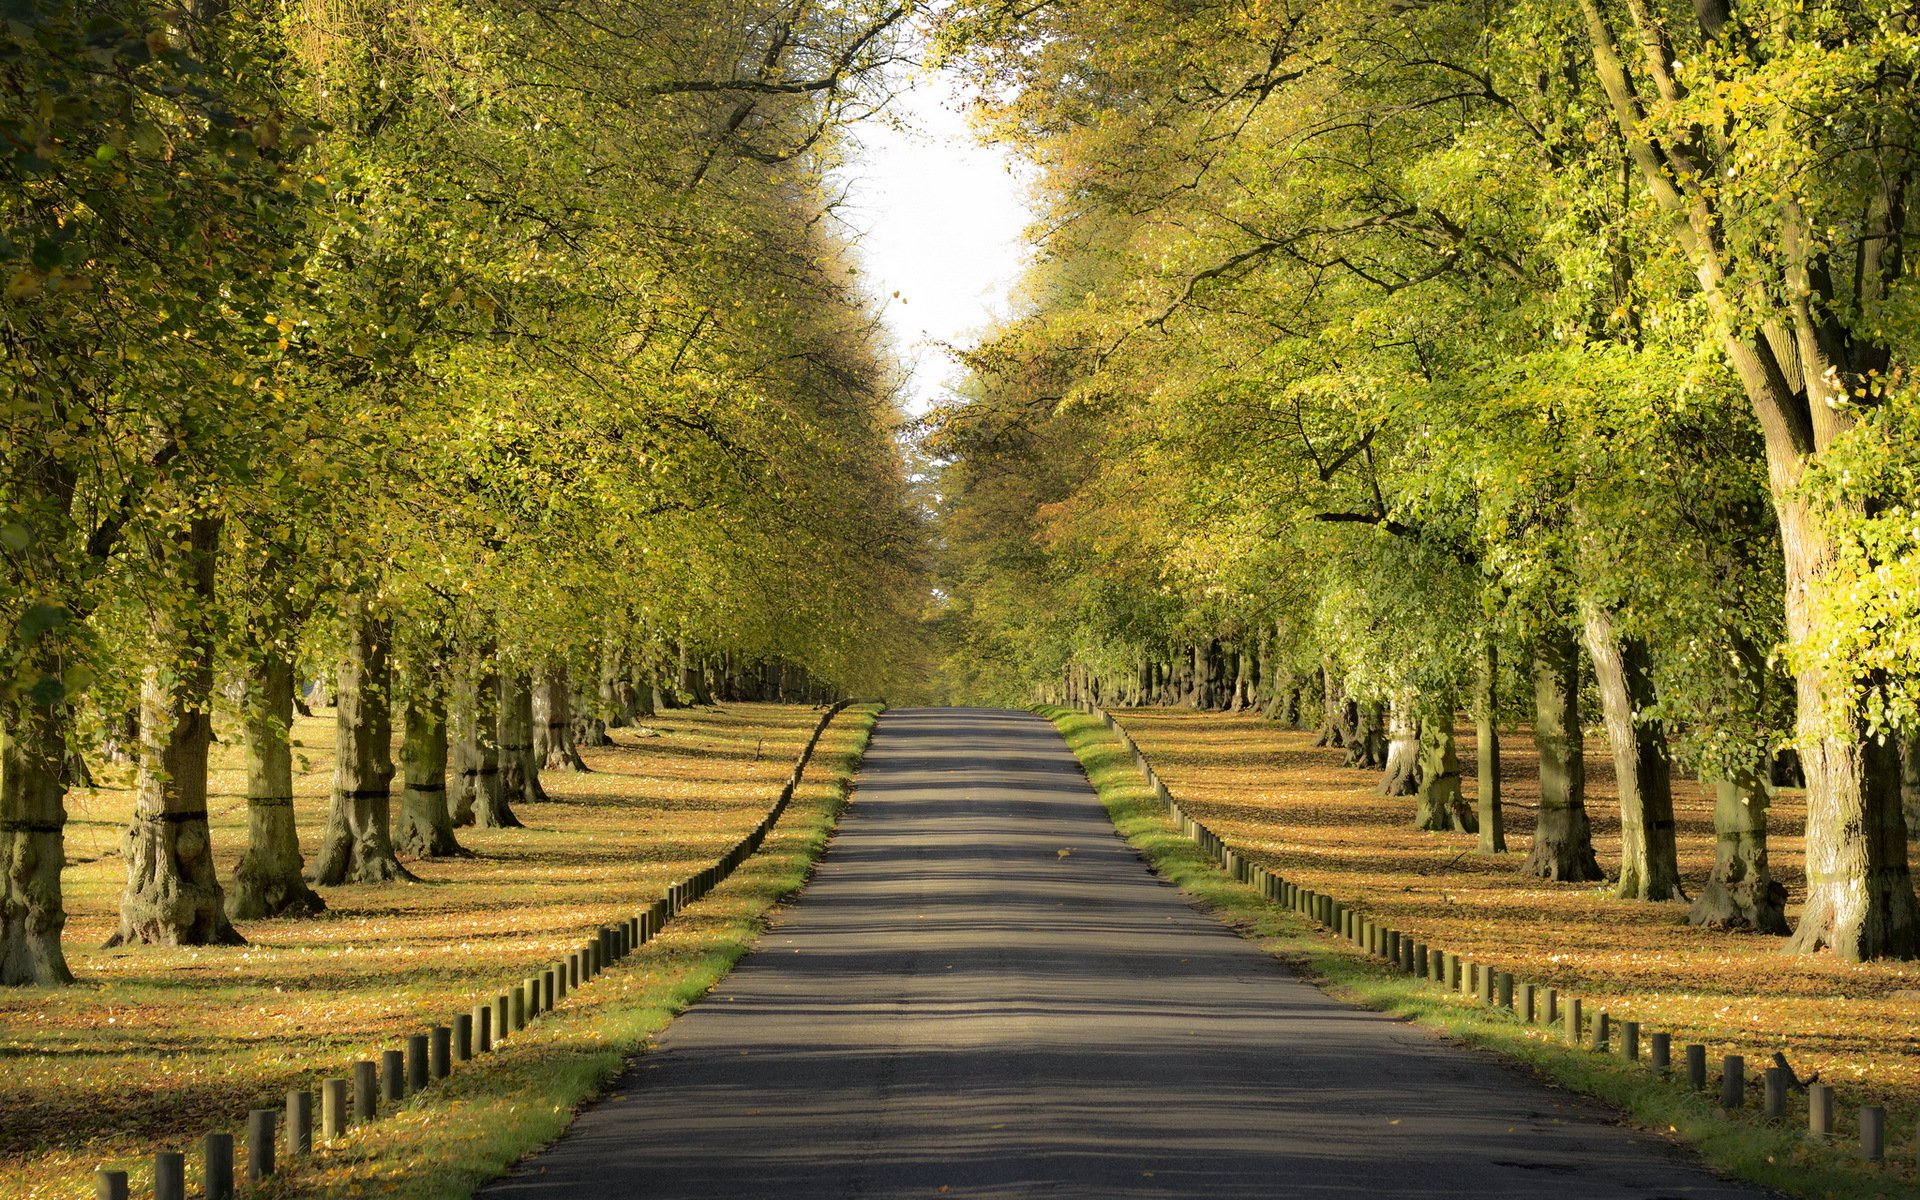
<point>268,881</point>
<point>1331,702</point>
<point>1910,781</point>
<point>1799,364</point>
<point>1366,735</point>
<point>1442,806</point>
<point>553,745</point>
<point>519,770</point>
<point>1742,892</point>
<point>358,844</point>
<point>1623,671</point>
<point>1562,837</point>
<point>1402,774</point>
<point>479,794</point>
<point>33,817</point>
<point>172,896</point>
<point>426,823</point>
<point>1486,732</point>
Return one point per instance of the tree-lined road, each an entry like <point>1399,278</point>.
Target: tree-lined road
<point>985,993</point>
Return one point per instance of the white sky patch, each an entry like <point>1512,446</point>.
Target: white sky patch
<point>941,220</point>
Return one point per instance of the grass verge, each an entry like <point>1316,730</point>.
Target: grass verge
<point>1774,1156</point>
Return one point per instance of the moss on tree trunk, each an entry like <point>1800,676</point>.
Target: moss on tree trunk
<point>1442,805</point>
<point>1562,836</point>
<point>358,844</point>
<point>519,770</point>
<point>33,817</point>
<point>1741,893</point>
<point>426,823</point>
<point>1401,775</point>
<point>269,882</point>
<point>553,745</point>
<point>173,896</point>
<point>1623,670</point>
<point>1486,732</point>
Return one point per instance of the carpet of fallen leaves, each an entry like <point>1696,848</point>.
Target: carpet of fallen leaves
<point>1296,809</point>
<point>156,1045</point>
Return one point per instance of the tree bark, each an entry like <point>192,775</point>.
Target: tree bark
<point>1799,364</point>
<point>1442,806</point>
<point>173,896</point>
<point>474,729</point>
<point>1741,893</point>
<point>357,846</point>
<point>1366,735</point>
<point>1910,781</point>
<point>268,882</point>
<point>553,745</point>
<point>426,823</point>
<point>1562,837</point>
<point>1401,776</point>
<point>519,770</point>
<point>33,817</point>
<point>1623,671</point>
<point>1486,732</point>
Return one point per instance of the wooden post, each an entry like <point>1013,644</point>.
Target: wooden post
<point>1505,981</point>
<point>109,1185</point>
<point>1602,1031</point>
<point>502,1004</point>
<point>1553,1008</point>
<point>463,1036</point>
<point>169,1175</point>
<point>1662,1054</point>
<point>516,1010</point>
<point>333,1109</point>
<point>482,1021</point>
<point>1873,1132</point>
<point>1733,1082</point>
<point>1527,1011</point>
<point>1573,1021</point>
<point>393,1076</point>
<point>559,973</point>
<point>440,1051</point>
<point>547,987</point>
<point>1776,1093</point>
<point>1697,1067</point>
<point>418,1068</point>
<point>217,1166</point>
<point>1819,1110</point>
<point>366,1090</point>
<point>299,1123</point>
<point>1630,1041</point>
<point>259,1144</point>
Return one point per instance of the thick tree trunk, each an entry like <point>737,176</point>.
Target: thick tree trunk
<point>479,793</point>
<point>33,817</point>
<point>1401,776</point>
<point>1486,731</point>
<point>172,896</point>
<point>268,882</point>
<point>1366,737</point>
<point>519,770</point>
<point>553,745</point>
<point>1910,781</point>
<point>692,681</point>
<point>1741,893</point>
<point>426,823</point>
<point>1562,837</point>
<point>1442,806</point>
<point>357,846</point>
<point>1623,671</point>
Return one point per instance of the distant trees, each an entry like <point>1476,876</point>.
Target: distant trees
<point>434,353</point>
<point>1439,344</point>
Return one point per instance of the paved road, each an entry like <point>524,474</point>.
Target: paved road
<point>984,993</point>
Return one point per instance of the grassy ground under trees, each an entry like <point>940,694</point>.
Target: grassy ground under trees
<point>156,1046</point>
<point>1294,808</point>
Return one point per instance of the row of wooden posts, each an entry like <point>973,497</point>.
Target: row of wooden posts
<point>1528,1002</point>
<point>431,1056</point>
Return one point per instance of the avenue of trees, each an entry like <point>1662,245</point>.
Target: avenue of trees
<point>497,366</point>
<point>1550,358</point>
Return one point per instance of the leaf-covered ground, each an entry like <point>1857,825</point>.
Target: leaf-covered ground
<point>156,1046</point>
<point>1296,809</point>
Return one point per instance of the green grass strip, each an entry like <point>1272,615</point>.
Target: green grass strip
<point>1781,1157</point>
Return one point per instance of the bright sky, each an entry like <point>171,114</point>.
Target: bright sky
<point>940,220</point>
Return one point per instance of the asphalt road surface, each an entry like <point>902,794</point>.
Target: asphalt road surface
<point>984,993</point>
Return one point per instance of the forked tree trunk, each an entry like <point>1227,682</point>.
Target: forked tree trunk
<point>33,817</point>
<point>1486,732</point>
<point>1741,893</point>
<point>1442,806</point>
<point>1562,837</point>
<point>553,746</point>
<point>357,846</point>
<point>426,823</point>
<point>172,896</point>
<point>268,882</point>
<point>1623,671</point>
<point>519,771</point>
<point>1401,776</point>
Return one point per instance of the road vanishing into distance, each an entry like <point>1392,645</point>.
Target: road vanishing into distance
<point>984,992</point>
